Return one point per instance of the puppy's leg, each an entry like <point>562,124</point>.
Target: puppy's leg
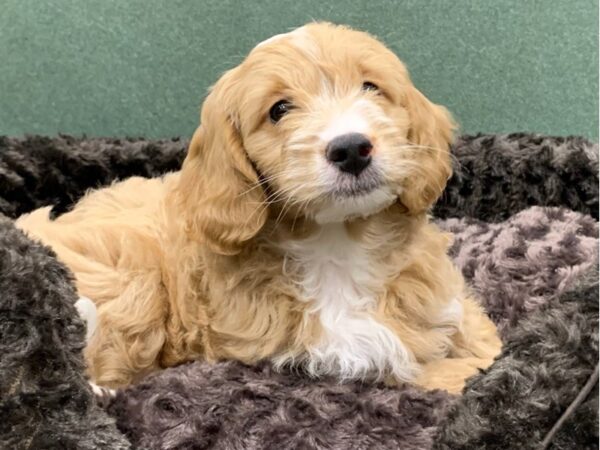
<point>125,321</point>
<point>114,265</point>
<point>450,374</point>
<point>477,336</point>
<point>474,347</point>
<point>130,334</point>
<point>88,312</point>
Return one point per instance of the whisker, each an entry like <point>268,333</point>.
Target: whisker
<point>440,149</point>
<point>264,180</point>
<point>270,200</point>
<point>304,204</point>
<point>265,204</point>
<point>281,213</point>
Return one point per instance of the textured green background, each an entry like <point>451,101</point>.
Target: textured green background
<point>141,67</point>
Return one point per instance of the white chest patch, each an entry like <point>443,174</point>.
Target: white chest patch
<point>338,276</point>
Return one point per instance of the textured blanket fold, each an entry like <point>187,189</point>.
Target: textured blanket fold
<point>544,364</point>
<point>534,268</point>
<point>45,400</point>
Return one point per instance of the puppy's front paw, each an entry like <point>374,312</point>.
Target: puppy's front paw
<point>103,395</point>
<point>450,374</point>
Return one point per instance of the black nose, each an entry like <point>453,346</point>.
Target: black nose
<point>350,152</point>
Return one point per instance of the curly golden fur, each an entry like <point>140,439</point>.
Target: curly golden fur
<point>259,248</point>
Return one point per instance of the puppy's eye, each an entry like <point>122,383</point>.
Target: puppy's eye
<point>368,86</point>
<point>279,109</point>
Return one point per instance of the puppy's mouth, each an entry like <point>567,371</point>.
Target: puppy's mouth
<point>347,185</point>
<point>355,196</point>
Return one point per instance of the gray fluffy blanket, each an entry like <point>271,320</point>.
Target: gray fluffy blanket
<point>534,268</point>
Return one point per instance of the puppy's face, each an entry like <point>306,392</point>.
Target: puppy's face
<point>331,127</point>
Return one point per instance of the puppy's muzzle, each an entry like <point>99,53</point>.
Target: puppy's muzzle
<point>350,152</point>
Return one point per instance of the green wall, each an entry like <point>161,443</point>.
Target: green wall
<point>141,67</point>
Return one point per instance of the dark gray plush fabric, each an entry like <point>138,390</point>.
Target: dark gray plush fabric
<point>522,270</point>
<point>544,363</point>
<point>232,406</point>
<point>39,171</point>
<point>494,177</point>
<point>522,267</point>
<point>45,400</point>
<point>498,175</point>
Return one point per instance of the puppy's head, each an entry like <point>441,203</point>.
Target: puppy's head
<point>322,122</point>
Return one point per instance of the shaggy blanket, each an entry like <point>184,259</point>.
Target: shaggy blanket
<point>534,269</point>
<point>45,400</point>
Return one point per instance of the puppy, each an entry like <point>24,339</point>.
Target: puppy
<point>295,232</point>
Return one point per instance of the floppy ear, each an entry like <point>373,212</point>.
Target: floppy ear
<point>431,132</point>
<point>223,203</point>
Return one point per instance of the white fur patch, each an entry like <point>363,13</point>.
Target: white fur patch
<point>338,275</point>
<point>87,311</point>
<point>451,314</point>
<point>351,121</point>
<point>358,206</point>
<point>299,37</point>
<point>272,39</point>
<point>100,391</point>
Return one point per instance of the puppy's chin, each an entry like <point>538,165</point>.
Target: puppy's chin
<point>344,208</point>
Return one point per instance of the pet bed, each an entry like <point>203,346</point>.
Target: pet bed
<point>524,212</point>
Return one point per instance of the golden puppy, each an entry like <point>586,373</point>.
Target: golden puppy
<point>296,231</point>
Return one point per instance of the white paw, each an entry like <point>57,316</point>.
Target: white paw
<point>102,392</point>
<point>87,311</point>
